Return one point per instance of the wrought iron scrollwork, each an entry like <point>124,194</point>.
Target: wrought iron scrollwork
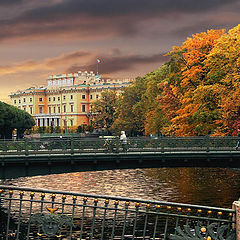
<point>51,223</point>
<point>211,232</point>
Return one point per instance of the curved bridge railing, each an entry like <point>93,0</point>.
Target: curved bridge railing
<point>29,214</point>
<point>81,145</point>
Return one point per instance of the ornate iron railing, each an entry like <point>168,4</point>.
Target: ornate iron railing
<point>82,145</point>
<point>28,214</point>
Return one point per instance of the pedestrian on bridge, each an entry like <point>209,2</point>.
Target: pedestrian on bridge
<point>238,143</point>
<point>123,140</point>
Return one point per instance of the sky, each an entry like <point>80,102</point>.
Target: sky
<point>130,37</point>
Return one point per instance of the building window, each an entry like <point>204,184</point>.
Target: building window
<point>59,109</point>
<point>40,99</point>
<point>31,110</point>
<point>90,96</point>
<point>83,108</point>
<point>71,108</point>
<point>96,96</point>
<point>15,101</point>
<point>19,101</point>
<point>58,98</point>
<point>24,99</point>
<point>71,122</point>
<point>40,110</point>
<point>64,108</point>
<point>30,99</point>
<point>83,96</point>
<point>64,97</point>
<point>24,109</point>
<point>49,99</point>
<point>54,99</point>
<point>71,97</point>
<point>54,109</point>
<point>49,110</point>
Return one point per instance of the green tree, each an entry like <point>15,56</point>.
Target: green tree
<point>155,118</point>
<point>104,110</point>
<point>130,109</point>
<point>12,118</point>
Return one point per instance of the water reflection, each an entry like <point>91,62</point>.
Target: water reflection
<point>206,186</point>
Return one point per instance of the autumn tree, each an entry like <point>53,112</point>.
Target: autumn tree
<point>190,59</point>
<point>130,110</point>
<point>197,92</point>
<point>104,110</point>
<point>156,119</point>
<point>223,64</point>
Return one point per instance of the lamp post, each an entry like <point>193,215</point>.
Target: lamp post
<point>65,123</point>
<point>52,126</point>
<point>89,115</point>
<point>106,120</point>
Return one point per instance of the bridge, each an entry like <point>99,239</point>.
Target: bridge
<point>54,155</point>
<point>30,213</point>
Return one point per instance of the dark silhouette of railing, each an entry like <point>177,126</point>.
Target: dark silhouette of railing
<point>29,214</point>
<point>47,156</point>
<point>81,145</point>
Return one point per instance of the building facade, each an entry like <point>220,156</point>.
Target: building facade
<point>66,99</point>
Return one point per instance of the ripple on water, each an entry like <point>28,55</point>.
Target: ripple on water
<point>206,186</point>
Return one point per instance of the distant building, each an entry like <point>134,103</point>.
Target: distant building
<point>66,98</point>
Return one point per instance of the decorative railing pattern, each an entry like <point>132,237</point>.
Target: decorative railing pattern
<point>95,145</point>
<point>43,214</point>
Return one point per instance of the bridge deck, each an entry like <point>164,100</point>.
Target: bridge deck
<point>27,158</point>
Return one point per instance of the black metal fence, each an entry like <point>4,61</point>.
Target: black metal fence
<point>43,214</point>
<point>81,145</point>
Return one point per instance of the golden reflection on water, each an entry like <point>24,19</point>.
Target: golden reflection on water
<point>206,186</point>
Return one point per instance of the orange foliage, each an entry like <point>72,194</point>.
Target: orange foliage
<point>190,57</point>
<point>196,93</point>
<point>223,63</point>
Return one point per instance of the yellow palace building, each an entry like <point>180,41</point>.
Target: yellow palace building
<point>66,98</point>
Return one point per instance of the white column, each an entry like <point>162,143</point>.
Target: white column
<point>55,122</point>
<point>41,122</point>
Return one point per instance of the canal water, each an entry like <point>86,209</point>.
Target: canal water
<point>205,186</point>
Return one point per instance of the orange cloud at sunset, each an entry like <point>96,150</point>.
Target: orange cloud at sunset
<point>39,38</point>
<point>29,73</point>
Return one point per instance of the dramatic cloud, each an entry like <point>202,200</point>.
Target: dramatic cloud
<point>28,73</point>
<point>210,22</point>
<point>10,2</point>
<point>112,64</point>
<point>46,64</point>
<point>108,8</point>
<point>93,19</point>
<point>67,58</point>
<point>38,38</point>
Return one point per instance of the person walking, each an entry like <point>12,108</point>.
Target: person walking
<point>123,140</point>
<point>238,143</point>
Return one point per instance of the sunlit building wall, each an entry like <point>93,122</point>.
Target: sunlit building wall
<point>66,99</point>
